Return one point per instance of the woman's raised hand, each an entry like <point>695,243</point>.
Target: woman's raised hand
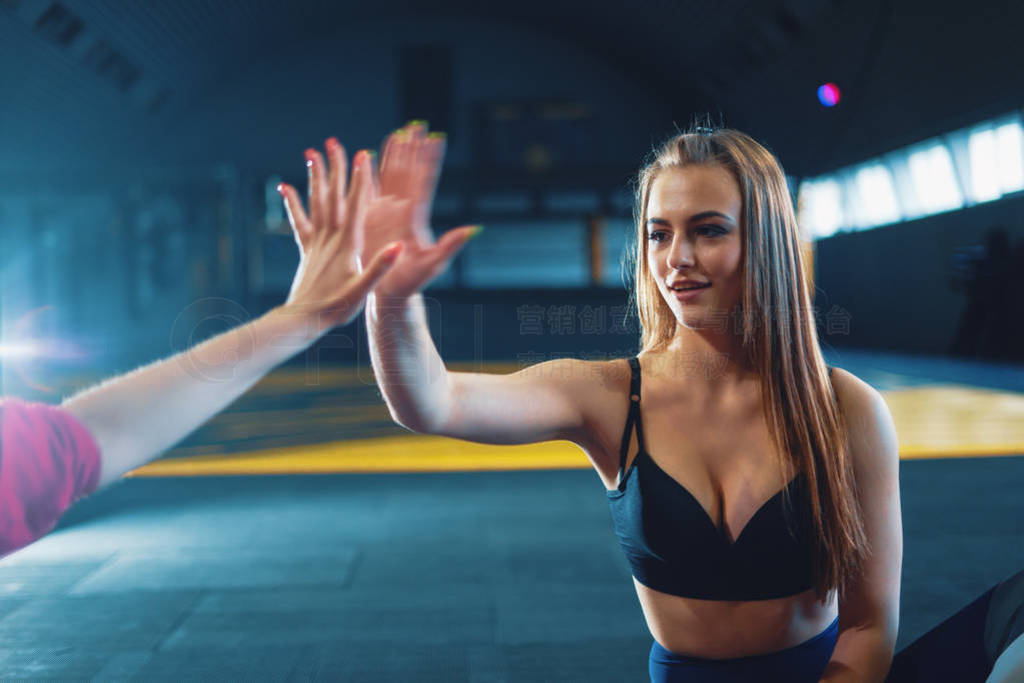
<point>400,210</point>
<point>329,286</point>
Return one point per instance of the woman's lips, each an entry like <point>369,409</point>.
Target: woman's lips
<point>688,294</point>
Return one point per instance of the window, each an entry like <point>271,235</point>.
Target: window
<point>876,197</point>
<point>981,147</point>
<point>972,165</point>
<point>820,207</point>
<point>995,159</point>
<point>1010,150</point>
<point>934,181</point>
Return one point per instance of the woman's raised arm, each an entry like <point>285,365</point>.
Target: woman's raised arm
<point>543,402</point>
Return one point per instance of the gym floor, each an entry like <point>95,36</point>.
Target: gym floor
<point>301,535</point>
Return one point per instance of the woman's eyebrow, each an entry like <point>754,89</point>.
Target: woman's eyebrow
<point>710,214</point>
<point>694,218</point>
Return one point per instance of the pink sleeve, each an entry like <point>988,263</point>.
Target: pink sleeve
<point>48,460</point>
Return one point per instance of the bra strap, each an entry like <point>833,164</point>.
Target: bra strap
<point>634,390</point>
<point>633,418</point>
<point>634,378</point>
<point>831,385</point>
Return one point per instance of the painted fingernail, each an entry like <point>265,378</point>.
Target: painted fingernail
<point>333,144</point>
<point>475,230</point>
<point>438,135</point>
<point>310,156</point>
<point>280,188</point>
<point>417,122</point>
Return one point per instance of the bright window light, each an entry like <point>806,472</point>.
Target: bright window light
<point>977,164</point>
<point>820,205</point>
<point>876,196</point>
<point>981,148</point>
<point>931,170</point>
<point>1010,148</point>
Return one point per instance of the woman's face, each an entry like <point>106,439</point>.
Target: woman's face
<point>694,233</point>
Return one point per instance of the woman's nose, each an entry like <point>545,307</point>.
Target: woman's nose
<point>681,254</point>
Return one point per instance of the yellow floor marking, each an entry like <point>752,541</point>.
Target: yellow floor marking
<point>957,421</point>
<point>939,421</point>
<point>392,454</point>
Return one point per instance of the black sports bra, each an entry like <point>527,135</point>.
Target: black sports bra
<point>673,546</point>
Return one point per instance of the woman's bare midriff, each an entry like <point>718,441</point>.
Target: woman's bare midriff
<point>716,629</point>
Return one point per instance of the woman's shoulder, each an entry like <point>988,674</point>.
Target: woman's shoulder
<point>594,385</point>
<point>851,391</point>
<point>868,419</point>
<point>610,376</point>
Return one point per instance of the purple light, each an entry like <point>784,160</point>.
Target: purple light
<point>828,95</point>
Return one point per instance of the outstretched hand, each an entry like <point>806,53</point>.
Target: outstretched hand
<point>400,211</point>
<point>330,286</point>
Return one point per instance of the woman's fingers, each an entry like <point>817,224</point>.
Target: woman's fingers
<point>436,259</point>
<point>416,133</point>
<point>417,130</point>
<point>357,202</point>
<point>453,240</point>
<point>296,214</point>
<point>388,150</point>
<point>428,165</point>
<point>317,187</point>
<point>402,148</point>
<point>336,175</point>
<point>423,181</point>
<point>372,174</point>
<point>391,161</point>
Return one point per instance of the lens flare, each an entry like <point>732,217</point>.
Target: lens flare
<point>18,350</point>
<point>828,94</point>
<point>27,353</point>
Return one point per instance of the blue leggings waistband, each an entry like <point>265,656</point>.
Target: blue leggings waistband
<point>803,662</point>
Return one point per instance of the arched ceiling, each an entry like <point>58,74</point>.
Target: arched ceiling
<point>909,68</point>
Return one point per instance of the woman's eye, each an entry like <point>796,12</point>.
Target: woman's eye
<point>656,236</point>
<point>710,230</point>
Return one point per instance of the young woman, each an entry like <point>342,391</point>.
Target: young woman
<point>754,490</point>
<point>50,456</point>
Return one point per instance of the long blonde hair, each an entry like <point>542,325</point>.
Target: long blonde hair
<point>779,334</point>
